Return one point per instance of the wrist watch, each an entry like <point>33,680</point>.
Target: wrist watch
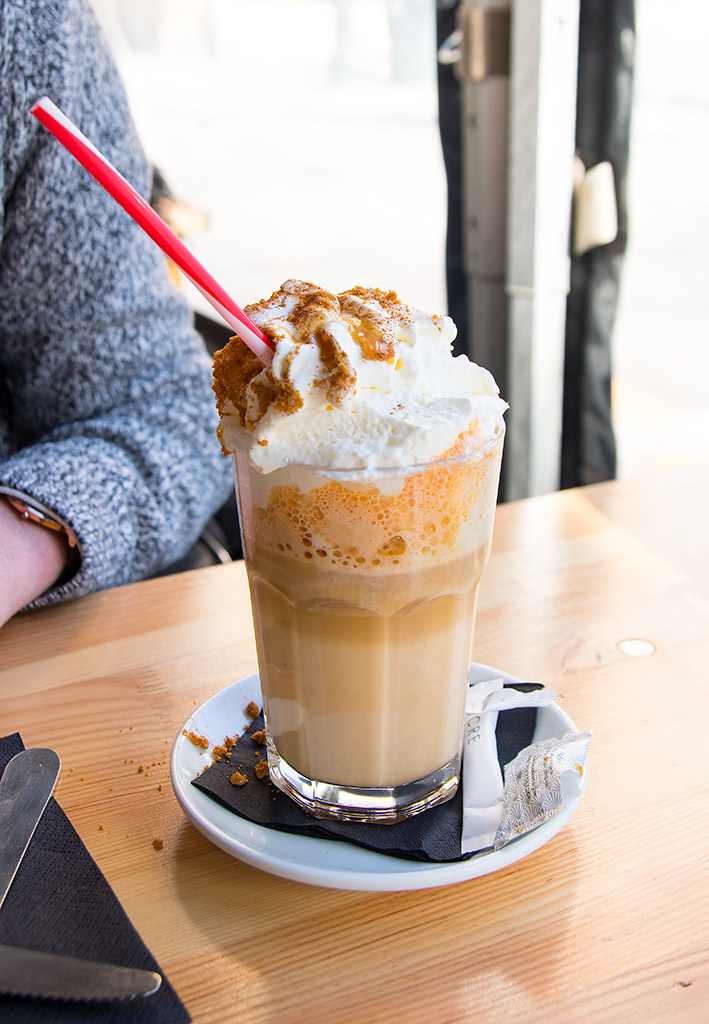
<point>34,512</point>
<point>41,516</point>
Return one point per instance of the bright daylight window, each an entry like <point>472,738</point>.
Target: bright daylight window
<point>305,129</point>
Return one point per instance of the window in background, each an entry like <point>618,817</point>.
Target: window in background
<point>306,129</point>
<point>661,356</point>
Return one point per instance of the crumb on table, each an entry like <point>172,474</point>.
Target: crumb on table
<point>158,844</point>
<point>238,779</point>
<point>252,709</point>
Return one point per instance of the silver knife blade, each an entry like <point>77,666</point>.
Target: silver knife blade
<point>26,972</point>
<point>25,788</point>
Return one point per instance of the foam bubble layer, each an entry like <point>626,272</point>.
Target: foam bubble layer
<point>358,380</point>
<point>388,523</point>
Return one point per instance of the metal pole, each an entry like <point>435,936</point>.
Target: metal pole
<point>544,54</point>
<point>483,69</point>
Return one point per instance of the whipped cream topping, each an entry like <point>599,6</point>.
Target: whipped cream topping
<point>358,381</point>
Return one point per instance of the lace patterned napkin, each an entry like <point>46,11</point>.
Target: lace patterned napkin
<point>538,783</point>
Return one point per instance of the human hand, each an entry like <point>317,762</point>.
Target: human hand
<point>32,558</point>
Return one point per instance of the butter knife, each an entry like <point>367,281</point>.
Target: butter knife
<point>26,972</point>
<point>25,788</point>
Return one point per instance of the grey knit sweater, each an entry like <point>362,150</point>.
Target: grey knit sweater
<point>106,410</point>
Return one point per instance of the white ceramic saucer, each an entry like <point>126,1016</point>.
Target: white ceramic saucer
<point>324,862</point>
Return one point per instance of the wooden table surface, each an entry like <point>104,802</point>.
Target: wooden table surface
<point>607,922</point>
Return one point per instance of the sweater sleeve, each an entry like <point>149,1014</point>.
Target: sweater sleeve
<point>107,405</point>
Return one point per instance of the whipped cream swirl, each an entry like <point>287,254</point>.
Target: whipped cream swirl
<point>357,381</point>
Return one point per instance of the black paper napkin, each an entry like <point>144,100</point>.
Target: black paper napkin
<point>59,902</point>
<point>433,835</point>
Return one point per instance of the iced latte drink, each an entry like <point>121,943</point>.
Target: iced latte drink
<point>367,463</point>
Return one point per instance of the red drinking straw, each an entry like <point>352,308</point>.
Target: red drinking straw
<point>66,132</point>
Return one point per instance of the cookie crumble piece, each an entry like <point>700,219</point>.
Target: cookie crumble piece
<point>194,737</point>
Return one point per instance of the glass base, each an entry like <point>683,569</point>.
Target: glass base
<point>347,803</point>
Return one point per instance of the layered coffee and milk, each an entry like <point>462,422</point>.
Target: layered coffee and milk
<point>367,464</point>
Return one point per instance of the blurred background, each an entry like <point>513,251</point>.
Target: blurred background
<point>303,136</point>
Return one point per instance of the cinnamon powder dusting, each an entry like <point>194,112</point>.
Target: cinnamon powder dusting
<point>310,309</point>
<point>339,377</point>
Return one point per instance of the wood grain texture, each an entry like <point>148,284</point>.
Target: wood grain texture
<point>608,922</point>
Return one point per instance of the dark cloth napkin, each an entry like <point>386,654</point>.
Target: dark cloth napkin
<point>433,835</point>
<point>59,902</point>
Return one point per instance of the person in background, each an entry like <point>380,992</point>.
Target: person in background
<point>109,464</point>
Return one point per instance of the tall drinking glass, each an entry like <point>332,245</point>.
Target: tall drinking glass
<point>363,589</point>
